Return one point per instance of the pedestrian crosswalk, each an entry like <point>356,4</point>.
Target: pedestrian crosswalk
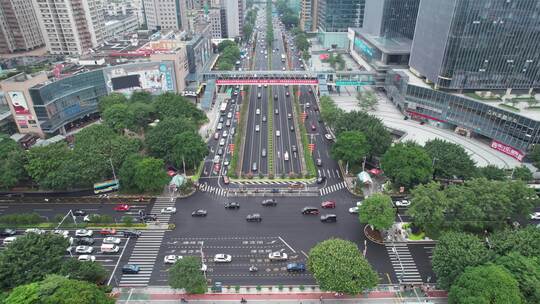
<point>214,190</point>
<point>403,263</point>
<point>332,188</point>
<point>144,255</point>
<point>270,182</point>
<point>161,203</point>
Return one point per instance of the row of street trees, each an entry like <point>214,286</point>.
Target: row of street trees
<point>33,270</point>
<point>249,23</point>
<point>229,54</point>
<point>287,16</point>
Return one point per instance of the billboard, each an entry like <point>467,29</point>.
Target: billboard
<point>152,77</point>
<point>508,150</point>
<point>19,103</point>
<point>267,81</point>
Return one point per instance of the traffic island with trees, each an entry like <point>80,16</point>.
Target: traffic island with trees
<point>139,137</point>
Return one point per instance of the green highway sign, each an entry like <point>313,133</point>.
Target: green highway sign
<point>353,83</point>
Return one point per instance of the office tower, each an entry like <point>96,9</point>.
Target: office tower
<point>234,17</point>
<point>477,44</point>
<point>166,14</point>
<point>391,18</point>
<point>70,27</point>
<point>339,15</point>
<point>308,15</point>
<point>19,28</point>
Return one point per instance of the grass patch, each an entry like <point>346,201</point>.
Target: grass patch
<point>198,173</point>
<point>270,122</point>
<point>310,164</point>
<point>477,97</point>
<point>509,107</point>
<point>239,137</point>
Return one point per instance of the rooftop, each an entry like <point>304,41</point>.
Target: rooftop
<point>387,45</point>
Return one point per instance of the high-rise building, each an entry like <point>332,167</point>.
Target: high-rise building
<point>308,15</point>
<point>214,18</point>
<point>70,27</point>
<point>477,44</point>
<point>234,17</point>
<point>19,27</point>
<point>391,18</point>
<point>339,15</point>
<point>166,14</point>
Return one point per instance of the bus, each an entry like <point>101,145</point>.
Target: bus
<point>282,57</point>
<point>223,107</point>
<point>106,186</point>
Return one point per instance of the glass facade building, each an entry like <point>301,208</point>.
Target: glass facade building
<point>450,110</point>
<point>478,44</point>
<point>391,18</point>
<point>339,15</point>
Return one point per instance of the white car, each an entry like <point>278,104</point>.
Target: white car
<point>35,230</point>
<point>278,134</point>
<point>277,256</point>
<point>258,111</point>
<point>226,163</point>
<point>359,203</point>
<point>63,233</point>
<point>84,232</point>
<point>222,258</point>
<point>87,258</point>
<point>171,259</point>
<point>112,240</point>
<point>535,216</point>
<point>403,203</point>
<point>84,249</point>
<point>216,159</point>
<point>229,115</point>
<point>328,136</point>
<point>353,210</point>
<point>169,210</point>
<point>9,240</point>
<point>257,128</point>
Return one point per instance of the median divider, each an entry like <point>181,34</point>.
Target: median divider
<point>310,164</point>
<point>239,139</point>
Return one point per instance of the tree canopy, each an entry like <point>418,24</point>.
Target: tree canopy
<point>428,208</point>
<point>450,160</point>
<point>485,284</point>
<point>186,273</point>
<point>377,211</point>
<point>338,266</point>
<point>53,166</point>
<point>329,110</point>
<point>454,252</point>
<point>491,172</point>
<point>92,272</point>
<point>523,241</point>
<point>160,139</point>
<point>170,105</point>
<point>526,271</point>
<point>189,147</point>
<point>367,100</point>
<point>143,174</point>
<point>58,290</point>
<point>350,146</point>
<point>407,164</point>
<point>111,99</point>
<point>12,161</point>
<point>30,258</point>
<point>522,173</point>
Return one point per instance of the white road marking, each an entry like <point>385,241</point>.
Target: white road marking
<point>117,263</point>
<point>287,244</point>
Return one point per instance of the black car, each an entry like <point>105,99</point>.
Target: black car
<point>132,233</point>
<point>292,128</point>
<point>269,202</point>
<point>79,212</point>
<point>329,218</point>
<point>8,232</point>
<point>275,96</point>
<point>232,205</point>
<point>83,241</point>
<point>321,179</point>
<point>199,212</point>
<point>149,218</point>
<point>255,217</point>
<point>310,210</point>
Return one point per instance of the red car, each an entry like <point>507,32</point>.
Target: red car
<point>121,207</point>
<point>328,204</point>
<point>107,231</point>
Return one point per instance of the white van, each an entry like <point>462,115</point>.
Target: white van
<point>220,126</point>
<point>9,240</point>
<point>109,248</point>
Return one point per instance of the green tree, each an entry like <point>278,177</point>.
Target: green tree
<point>450,160</point>
<point>377,211</point>
<point>522,173</point>
<point>142,97</point>
<point>150,175</point>
<point>247,30</point>
<point>58,290</point>
<point>186,273</point>
<point>118,117</point>
<point>407,164</point>
<point>160,139</point>
<point>92,272</point>
<point>377,136</point>
<point>453,253</point>
<point>190,148</point>
<point>53,166</point>
<point>142,114</point>
<point>225,66</point>
<point>367,100</point>
<point>491,172</point>
<point>329,110</point>
<point>30,258</point>
<point>526,271</point>
<point>128,172</point>
<point>485,284</point>
<point>111,99</point>
<point>350,146</point>
<point>225,44</point>
<point>523,241</point>
<point>173,106</point>
<point>338,266</point>
<point>12,161</point>
<point>428,206</point>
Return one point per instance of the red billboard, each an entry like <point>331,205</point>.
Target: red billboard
<point>267,81</point>
<point>507,150</point>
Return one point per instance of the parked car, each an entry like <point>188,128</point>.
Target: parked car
<point>297,185</point>
<point>269,202</point>
<point>112,240</point>
<point>131,269</point>
<point>81,241</point>
<point>296,267</point>
<point>84,232</point>
<point>353,210</point>
<point>9,240</point>
<point>131,233</point>
<point>232,205</point>
<point>535,216</point>
<point>84,249</point>
<point>61,232</point>
<point>34,230</point>
<point>199,212</point>
<point>402,203</point>
<point>255,217</point>
<point>171,259</point>
<point>107,231</point>
<point>86,258</point>
<point>310,210</point>
<point>328,204</point>
<point>121,207</point>
<point>222,258</point>
<point>8,232</point>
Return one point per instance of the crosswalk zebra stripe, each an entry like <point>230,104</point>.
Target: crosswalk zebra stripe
<point>403,263</point>
<point>332,188</point>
